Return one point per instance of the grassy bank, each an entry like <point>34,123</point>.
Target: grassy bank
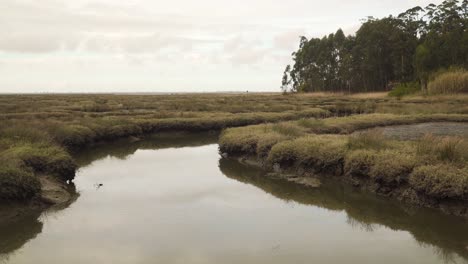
<point>38,132</point>
<point>260,138</point>
<point>427,171</point>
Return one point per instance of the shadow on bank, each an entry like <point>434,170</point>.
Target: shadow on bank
<point>16,228</point>
<point>448,235</point>
<point>20,223</point>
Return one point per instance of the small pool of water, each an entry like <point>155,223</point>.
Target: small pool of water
<point>174,200</point>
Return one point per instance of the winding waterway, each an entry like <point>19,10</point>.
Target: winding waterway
<point>173,199</point>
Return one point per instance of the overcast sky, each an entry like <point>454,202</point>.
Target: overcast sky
<point>165,46</point>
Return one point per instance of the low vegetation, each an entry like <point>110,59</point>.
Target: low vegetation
<point>434,167</point>
<point>38,133</point>
<point>259,138</point>
<point>404,89</point>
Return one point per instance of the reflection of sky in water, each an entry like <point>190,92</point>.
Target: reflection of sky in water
<point>175,206</point>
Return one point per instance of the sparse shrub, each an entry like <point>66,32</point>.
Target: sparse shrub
<point>441,181</point>
<point>403,89</point>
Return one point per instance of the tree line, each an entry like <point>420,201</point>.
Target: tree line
<point>383,52</point>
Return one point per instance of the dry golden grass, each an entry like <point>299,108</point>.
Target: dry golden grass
<point>449,83</point>
<point>369,95</point>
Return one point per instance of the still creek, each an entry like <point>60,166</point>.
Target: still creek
<point>173,199</point>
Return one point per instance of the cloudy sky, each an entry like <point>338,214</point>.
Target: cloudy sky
<point>165,46</point>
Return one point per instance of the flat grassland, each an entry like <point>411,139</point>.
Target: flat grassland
<point>38,133</point>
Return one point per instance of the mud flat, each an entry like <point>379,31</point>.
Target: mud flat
<point>416,131</point>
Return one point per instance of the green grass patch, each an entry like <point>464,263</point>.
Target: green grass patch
<point>404,89</point>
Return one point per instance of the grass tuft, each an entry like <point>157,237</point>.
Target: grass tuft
<point>441,181</point>
<point>372,139</point>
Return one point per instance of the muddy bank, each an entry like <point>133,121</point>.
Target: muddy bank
<point>309,177</point>
<point>56,192</point>
<point>55,195</point>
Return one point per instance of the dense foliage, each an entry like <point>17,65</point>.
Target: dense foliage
<point>384,52</point>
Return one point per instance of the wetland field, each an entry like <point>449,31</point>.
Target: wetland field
<point>237,178</point>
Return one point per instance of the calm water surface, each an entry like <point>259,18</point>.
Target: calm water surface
<point>173,200</point>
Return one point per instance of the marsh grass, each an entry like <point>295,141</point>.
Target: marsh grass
<point>369,154</point>
<point>373,139</point>
<point>447,149</point>
<point>441,181</point>
<point>37,132</point>
<point>17,183</point>
<point>450,82</point>
<point>288,129</point>
<point>317,152</point>
<point>336,125</point>
<point>311,123</point>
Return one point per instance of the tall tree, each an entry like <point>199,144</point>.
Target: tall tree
<point>384,51</point>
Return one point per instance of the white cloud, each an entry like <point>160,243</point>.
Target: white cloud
<point>154,45</point>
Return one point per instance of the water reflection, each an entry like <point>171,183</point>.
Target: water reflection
<point>18,224</point>
<point>448,235</point>
<point>17,228</point>
<point>123,148</point>
<point>171,199</point>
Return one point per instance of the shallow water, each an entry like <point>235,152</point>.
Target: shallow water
<point>416,131</point>
<point>173,200</point>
